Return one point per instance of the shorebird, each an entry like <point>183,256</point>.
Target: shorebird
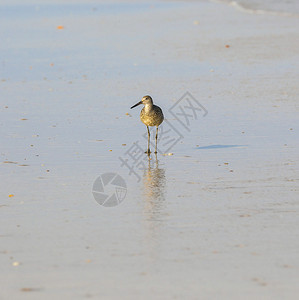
<point>150,115</point>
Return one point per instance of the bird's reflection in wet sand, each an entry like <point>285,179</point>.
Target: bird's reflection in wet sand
<point>154,184</point>
<point>154,189</point>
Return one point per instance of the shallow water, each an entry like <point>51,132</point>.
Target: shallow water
<point>218,218</point>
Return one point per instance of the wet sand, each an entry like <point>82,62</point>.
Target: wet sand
<point>217,219</point>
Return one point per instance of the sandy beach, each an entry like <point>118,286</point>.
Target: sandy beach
<point>213,216</point>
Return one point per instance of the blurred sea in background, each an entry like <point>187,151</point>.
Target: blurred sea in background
<point>290,7</point>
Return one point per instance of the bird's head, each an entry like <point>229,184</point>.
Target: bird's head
<point>145,101</point>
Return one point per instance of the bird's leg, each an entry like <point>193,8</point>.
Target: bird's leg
<point>156,139</point>
<point>148,141</point>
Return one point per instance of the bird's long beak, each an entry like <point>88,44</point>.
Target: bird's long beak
<point>136,104</point>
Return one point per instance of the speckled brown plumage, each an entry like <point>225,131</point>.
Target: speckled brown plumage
<point>153,117</point>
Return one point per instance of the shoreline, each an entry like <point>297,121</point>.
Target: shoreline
<point>241,7</point>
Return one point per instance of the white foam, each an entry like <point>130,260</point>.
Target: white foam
<point>245,9</point>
